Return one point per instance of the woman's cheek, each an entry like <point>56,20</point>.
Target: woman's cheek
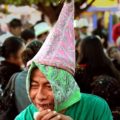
<point>33,94</point>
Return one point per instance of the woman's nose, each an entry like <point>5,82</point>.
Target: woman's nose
<point>41,95</point>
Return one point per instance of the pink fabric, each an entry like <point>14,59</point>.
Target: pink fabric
<point>59,47</point>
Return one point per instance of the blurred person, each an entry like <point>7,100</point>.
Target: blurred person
<point>77,37</point>
<point>93,62</point>
<point>50,84</point>
<point>114,54</point>
<point>15,27</point>
<point>20,81</point>
<point>25,21</point>
<point>41,31</point>
<point>28,35</point>
<point>11,50</point>
<point>76,29</point>
<point>108,88</point>
<point>77,49</point>
<point>31,50</point>
<point>83,25</point>
<point>102,33</point>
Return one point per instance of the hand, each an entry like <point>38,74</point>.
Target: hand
<point>50,115</point>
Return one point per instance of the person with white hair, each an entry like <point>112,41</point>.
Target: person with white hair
<point>76,30</point>
<point>41,31</point>
<point>83,26</point>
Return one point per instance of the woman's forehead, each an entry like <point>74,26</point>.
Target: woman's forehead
<point>37,72</point>
<point>38,76</point>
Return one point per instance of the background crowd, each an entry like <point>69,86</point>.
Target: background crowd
<point>97,61</point>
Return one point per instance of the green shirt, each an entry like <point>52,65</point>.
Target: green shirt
<point>90,107</point>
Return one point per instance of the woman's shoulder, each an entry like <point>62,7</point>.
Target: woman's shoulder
<point>89,98</point>
<point>91,107</point>
<point>89,101</point>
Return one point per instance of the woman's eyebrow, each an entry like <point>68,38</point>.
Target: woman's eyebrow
<point>33,81</point>
<point>47,83</point>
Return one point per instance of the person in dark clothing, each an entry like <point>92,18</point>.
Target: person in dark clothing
<point>28,35</point>
<point>101,32</point>
<point>15,27</point>
<point>114,54</point>
<point>108,88</point>
<point>93,62</point>
<point>30,50</point>
<point>11,50</point>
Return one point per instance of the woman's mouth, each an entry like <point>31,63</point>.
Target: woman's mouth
<point>45,106</point>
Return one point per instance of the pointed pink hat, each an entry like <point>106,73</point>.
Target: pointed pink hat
<point>58,49</point>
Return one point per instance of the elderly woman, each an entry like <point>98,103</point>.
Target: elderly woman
<point>50,83</point>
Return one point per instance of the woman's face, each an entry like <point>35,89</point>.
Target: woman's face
<point>41,92</point>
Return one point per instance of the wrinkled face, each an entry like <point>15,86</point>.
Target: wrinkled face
<point>41,92</point>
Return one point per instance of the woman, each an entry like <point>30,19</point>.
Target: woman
<point>93,62</point>
<point>11,50</point>
<point>50,84</point>
<point>49,95</point>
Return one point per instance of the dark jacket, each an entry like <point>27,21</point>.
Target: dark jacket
<point>84,76</point>
<point>117,64</point>
<point>7,69</point>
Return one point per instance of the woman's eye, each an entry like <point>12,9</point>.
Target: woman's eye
<point>48,86</point>
<point>34,85</point>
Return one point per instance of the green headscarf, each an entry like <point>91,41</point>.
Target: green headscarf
<point>65,89</point>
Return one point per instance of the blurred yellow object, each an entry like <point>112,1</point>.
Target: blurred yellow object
<point>104,3</point>
<point>6,7</point>
<point>106,19</point>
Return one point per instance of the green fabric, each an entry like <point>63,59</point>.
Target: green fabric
<point>90,107</point>
<point>65,89</point>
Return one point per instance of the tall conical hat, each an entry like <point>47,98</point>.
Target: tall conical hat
<point>58,49</point>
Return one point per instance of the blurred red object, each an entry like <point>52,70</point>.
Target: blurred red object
<point>116,32</point>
